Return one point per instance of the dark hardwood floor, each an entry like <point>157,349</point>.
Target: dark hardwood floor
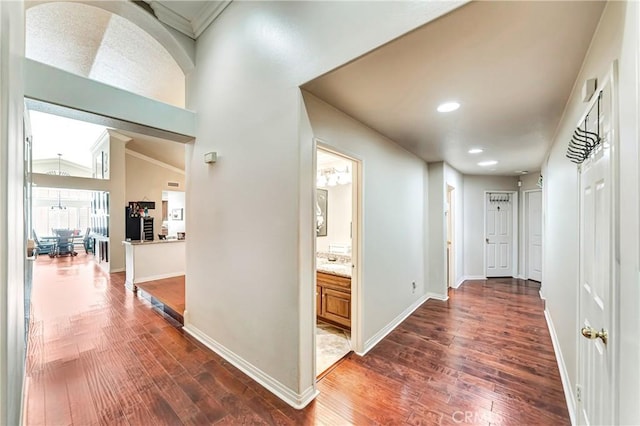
<point>101,355</point>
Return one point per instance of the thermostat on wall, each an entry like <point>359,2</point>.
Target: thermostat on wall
<point>210,157</point>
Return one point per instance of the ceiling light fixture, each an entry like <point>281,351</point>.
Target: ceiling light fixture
<point>487,163</point>
<point>475,151</point>
<point>448,106</point>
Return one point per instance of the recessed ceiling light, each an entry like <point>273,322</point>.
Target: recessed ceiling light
<point>448,106</point>
<point>487,163</point>
<point>475,151</point>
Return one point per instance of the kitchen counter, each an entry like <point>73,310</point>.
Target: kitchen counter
<point>138,242</point>
<point>153,260</point>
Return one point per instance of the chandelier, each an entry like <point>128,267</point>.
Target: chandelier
<point>333,176</point>
<point>58,172</point>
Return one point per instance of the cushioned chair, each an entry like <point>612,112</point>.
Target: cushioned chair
<point>45,246</point>
<point>64,246</point>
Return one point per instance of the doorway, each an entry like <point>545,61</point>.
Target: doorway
<point>533,235</point>
<point>336,237</point>
<point>451,268</point>
<point>598,272</point>
<point>500,243</point>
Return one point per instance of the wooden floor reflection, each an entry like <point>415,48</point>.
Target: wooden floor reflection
<point>98,354</point>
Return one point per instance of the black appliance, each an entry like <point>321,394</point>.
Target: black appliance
<point>137,226</point>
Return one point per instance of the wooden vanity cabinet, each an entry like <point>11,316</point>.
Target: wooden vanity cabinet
<point>333,299</point>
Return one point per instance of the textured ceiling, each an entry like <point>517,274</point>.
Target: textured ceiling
<point>99,45</point>
<point>511,66</point>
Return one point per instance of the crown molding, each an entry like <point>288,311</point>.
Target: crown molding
<point>172,19</point>
<point>207,15</point>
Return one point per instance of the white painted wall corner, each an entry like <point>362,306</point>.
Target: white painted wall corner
<point>296,400</point>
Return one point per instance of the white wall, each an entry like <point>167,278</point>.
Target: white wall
<point>145,181</point>
<point>393,237</point>
<point>338,217</point>
<point>437,232</point>
<point>474,239</point>
<point>175,200</point>
<point>12,245</point>
<point>249,272</point>
<point>616,37</point>
<point>455,179</point>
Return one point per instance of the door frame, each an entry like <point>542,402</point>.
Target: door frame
<point>514,227</point>
<point>357,342</point>
<point>451,237</point>
<point>525,224</point>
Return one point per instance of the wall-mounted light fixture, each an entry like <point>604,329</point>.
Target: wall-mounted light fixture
<point>210,157</point>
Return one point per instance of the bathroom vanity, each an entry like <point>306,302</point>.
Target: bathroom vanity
<point>333,292</point>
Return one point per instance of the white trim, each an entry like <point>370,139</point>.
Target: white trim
<point>172,19</point>
<point>357,220</point>
<point>437,296</point>
<point>207,15</point>
<point>525,224</point>
<point>154,161</point>
<point>296,400</point>
<point>564,375</point>
<point>376,338</point>
<point>469,278</point>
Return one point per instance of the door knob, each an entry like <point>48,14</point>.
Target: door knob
<point>592,334</point>
<point>487,240</point>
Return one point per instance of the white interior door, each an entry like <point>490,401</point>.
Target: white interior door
<point>534,235</point>
<point>499,234</point>
<point>597,277</point>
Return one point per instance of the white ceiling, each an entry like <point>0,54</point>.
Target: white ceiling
<point>102,46</point>
<point>511,66</point>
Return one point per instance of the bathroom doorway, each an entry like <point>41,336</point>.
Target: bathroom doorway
<point>337,201</point>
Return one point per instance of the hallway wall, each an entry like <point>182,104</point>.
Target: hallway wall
<point>393,238</point>
<point>249,272</point>
<point>474,188</point>
<point>615,38</point>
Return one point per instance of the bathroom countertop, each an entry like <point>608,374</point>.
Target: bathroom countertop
<point>333,268</point>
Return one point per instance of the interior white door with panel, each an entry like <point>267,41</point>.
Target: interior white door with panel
<point>499,234</point>
<point>595,392</point>
<point>534,235</point>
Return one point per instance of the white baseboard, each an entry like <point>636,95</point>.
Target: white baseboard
<point>296,400</point>
<point>541,295</point>
<point>460,281</point>
<point>520,277</point>
<point>437,296</point>
<point>475,277</point>
<point>376,338</point>
<point>564,375</point>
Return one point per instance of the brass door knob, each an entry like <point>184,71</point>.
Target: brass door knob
<point>592,334</point>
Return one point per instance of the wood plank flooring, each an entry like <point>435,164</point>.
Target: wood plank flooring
<point>101,355</point>
<point>169,291</point>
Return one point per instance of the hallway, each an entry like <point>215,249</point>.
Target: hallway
<point>100,355</point>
